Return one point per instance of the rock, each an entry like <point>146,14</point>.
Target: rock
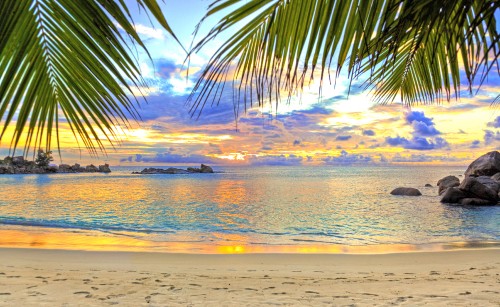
<point>489,182</point>
<point>104,168</point>
<point>453,195</point>
<point>170,170</point>
<point>496,177</point>
<point>173,170</point>
<point>447,182</point>
<point>52,169</point>
<point>206,169</point>
<point>91,168</point>
<point>18,165</point>
<point>406,191</point>
<point>486,165</point>
<point>77,168</point>
<point>472,186</point>
<point>65,168</point>
<point>6,170</point>
<point>476,202</point>
<point>18,160</point>
<point>428,185</point>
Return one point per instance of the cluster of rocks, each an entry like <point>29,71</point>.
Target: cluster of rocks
<point>480,187</point>
<point>481,184</point>
<point>77,168</point>
<point>19,165</point>
<point>171,170</point>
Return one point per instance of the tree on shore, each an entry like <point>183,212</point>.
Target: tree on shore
<point>43,158</point>
<point>69,61</point>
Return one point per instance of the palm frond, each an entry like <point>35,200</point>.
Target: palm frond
<point>68,61</point>
<point>415,49</point>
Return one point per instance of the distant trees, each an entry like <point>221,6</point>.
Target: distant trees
<point>43,158</point>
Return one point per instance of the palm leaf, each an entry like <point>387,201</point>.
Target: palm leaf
<point>68,61</point>
<point>414,49</point>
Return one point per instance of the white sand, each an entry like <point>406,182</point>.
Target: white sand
<point>37,277</point>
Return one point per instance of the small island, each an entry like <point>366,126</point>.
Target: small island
<point>41,165</point>
<point>204,169</point>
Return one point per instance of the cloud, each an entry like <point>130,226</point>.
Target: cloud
<point>343,137</point>
<point>491,136</point>
<point>346,158</point>
<point>417,143</point>
<point>368,132</point>
<point>422,125</point>
<point>169,157</point>
<point>475,144</point>
<point>149,32</point>
<point>296,142</point>
<point>495,123</point>
<point>422,129</point>
<point>421,158</point>
<point>419,117</point>
<point>275,160</point>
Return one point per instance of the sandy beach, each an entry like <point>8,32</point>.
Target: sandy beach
<point>38,277</point>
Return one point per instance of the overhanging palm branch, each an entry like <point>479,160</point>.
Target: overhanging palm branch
<point>415,49</point>
<point>67,60</point>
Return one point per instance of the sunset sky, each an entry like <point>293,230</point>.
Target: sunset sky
<point>335,129</point>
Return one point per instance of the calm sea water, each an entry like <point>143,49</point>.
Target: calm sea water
<point>241,206</point>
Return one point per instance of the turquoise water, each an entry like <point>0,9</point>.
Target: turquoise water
<point>262,206</point>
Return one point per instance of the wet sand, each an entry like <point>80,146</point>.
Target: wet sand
<point>38,277</point>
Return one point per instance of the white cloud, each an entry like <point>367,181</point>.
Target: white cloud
<point>149,32</point>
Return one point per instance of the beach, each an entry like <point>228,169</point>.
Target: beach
<point>46,277</point>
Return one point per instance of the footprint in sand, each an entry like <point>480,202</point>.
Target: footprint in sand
<point>82,292</point>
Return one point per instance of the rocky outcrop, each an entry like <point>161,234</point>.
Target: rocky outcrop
<point>104,168</point>
<point>473,191</point>
<point>489,182</point>
<point>19,165</point>
<point>91,168</point>
<point>206,169</point>
<point>406,191</point>
<point>453,195</point>
<point>172,170</point>
<point>486,165</point>
<point>473,187</point>
<point>447,182</point>
<point>475,202</point>
<point>496,177</point>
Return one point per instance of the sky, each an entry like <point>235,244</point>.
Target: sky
<point>335,129</point>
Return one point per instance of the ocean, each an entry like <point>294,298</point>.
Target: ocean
<point>242,209</point>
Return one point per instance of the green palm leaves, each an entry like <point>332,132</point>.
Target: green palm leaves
<point>67,61</point>
<point>414,49</point>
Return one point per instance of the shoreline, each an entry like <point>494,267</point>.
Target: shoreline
<point>31,277</point>
<point>43,238</point>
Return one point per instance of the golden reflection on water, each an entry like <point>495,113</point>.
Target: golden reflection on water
<point>45,238</point>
